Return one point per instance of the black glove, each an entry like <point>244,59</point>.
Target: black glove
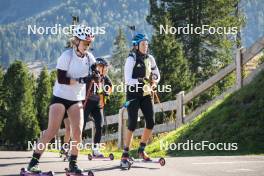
<point>93,67</point>
<point>96,76</point>
<point>83,80</point>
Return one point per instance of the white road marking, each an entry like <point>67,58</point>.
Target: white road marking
<point>240,170</point>
<point>229,162</point>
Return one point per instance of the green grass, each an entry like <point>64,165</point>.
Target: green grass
<point>111,147</point>
<point>239,118</point>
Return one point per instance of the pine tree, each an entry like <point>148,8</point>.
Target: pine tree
<point>120,53</point>
<point>2,103</point>
<point>116,72</point>
<point>21,123</point>
<point>173,66</point>
<point>43,95</point>
<point>206,53</point>
<point>53,77</point>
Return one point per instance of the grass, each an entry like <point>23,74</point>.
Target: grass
<point>239,118</point>
<point>111,147</point>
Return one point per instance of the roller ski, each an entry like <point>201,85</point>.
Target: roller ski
<point>96,154</point>
<point>92,157</point>
<point>26,172</point>
<point>33,168</point>
<point>74,170</point>
<point>144,158</point>
<point>160,161</point>
<point>78,173</point>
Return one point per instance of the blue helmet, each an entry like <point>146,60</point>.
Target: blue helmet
<point>138,38</point>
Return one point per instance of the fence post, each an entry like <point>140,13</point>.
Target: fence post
<point>57,141</point>
<point>93,132</point>
<point>120,128</point>
<point>239,71</point>
<point>180,111</point>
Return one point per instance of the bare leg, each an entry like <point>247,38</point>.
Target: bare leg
<point>146,135</point>
<point>56,112</point>
<point>76,123</point>
<point>67,130</point>
<point>129,138</point>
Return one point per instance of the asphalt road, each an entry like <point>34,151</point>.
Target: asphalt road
<point>11,162</point>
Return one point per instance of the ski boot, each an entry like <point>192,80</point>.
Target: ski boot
<point>73,168</point>
<point>142,154</point>
<point>34,166</point>
<point>125,162</point>
<point>97,153</point>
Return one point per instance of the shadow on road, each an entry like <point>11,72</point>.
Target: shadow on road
<point>95,169</point>
<point>143,167</point>
<point>15,157</point>
<point>25,163</point>
<point>106,168</point>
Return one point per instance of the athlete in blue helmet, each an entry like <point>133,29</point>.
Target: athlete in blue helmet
<point>139,70</point>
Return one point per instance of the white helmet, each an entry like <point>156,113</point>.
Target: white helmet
<point>83,33</point>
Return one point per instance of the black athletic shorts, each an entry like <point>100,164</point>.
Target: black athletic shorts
<point>66,103</point>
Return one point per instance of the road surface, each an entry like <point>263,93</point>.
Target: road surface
<point>11,162</point>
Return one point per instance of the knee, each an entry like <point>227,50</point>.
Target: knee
<point>150,124</point>
<point>132,126</point>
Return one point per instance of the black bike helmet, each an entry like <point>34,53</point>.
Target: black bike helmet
<point>101,61</point>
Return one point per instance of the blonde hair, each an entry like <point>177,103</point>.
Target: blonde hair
<point>73,42</point>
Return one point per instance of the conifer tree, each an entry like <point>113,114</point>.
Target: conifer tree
<point>21,122</point>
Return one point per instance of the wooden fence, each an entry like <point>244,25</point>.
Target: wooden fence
<point>243,56</point>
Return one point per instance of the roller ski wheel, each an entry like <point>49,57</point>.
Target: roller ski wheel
<point>162,161</point>
<point>111,156</point>
<point>25,172</point>
<point>91,157</point>
<point>68,173</point>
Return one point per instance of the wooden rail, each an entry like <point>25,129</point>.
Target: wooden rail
<point>242,57</point>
